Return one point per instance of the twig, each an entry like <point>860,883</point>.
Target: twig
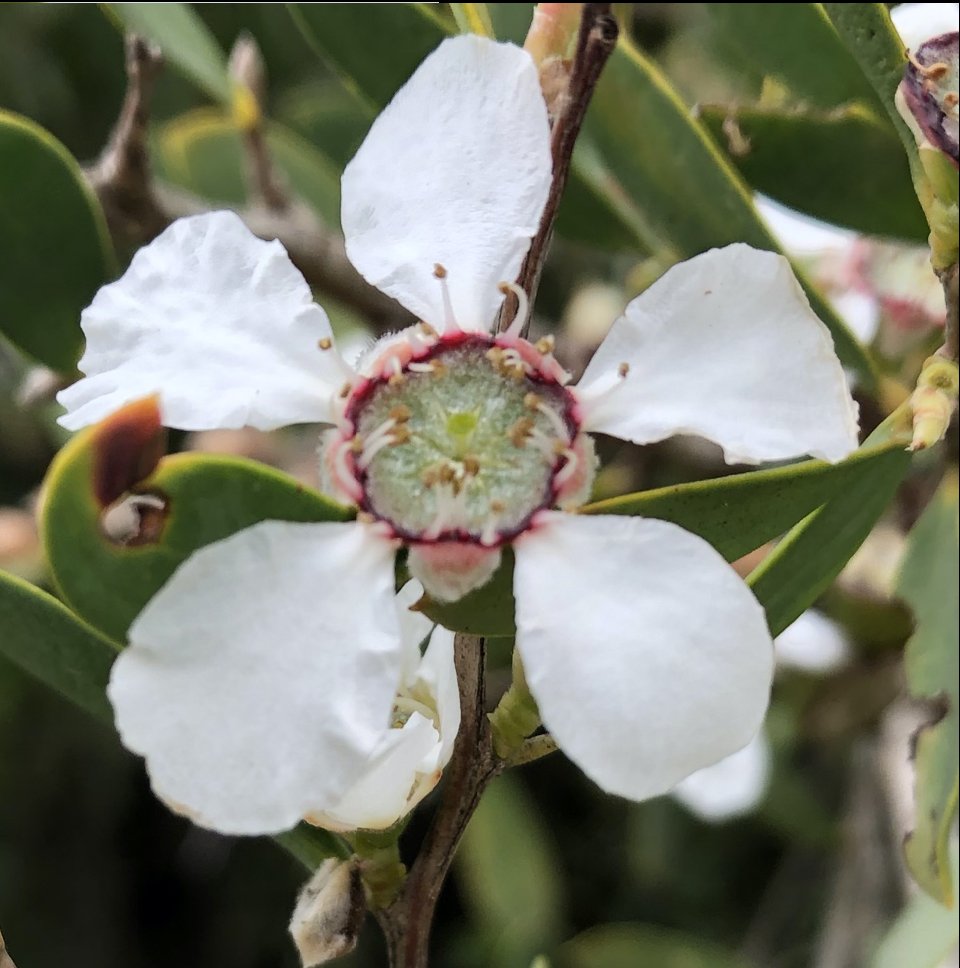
<point>407,922</point>
<point>951,331</point>
<point>121,176</point>
<point>250,76</point>
<point>138,208</point>
<point>595,43</point>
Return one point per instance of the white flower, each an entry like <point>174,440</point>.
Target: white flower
<point>259,679</point>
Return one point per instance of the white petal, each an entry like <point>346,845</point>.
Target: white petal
<point>438,676</point>
<point>219,323</point>
<point>259,679</point>
<point>730,788</point>
<point>414,628</point>
<point>407,762</point>
<point>800,234</point>
<point>725,346</point>
<point>382,794</point>
<point>648,657</point>
<point>918,22</point>
<point>813,643</point>
<point>455,171</point>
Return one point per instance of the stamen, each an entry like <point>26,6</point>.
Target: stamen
<point>569,468</point>
<point>471,465</point>
<point>623,369</point>
<point>523,308</point>
<point>343,474</point>
<point>558,422</point>
<point>450,324</point>
<point>326,343</point>
<point>520,432</point>
<point>545,345</point>
<point>401,413</point>
<point>375,442</point>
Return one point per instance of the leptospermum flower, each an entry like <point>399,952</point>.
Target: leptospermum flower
<point>259,678</point>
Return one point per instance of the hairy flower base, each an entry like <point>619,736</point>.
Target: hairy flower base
<point>459,438</point>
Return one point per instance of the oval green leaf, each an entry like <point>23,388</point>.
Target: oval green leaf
<point>46,640</point>
<point>697,200</point>
<point>843,166</point>
<point>208,498</point>
<point>56,250</point>
<point>795,43</point>
<point>929,580</point>
<point>804,564</point>
<point>738,513</point>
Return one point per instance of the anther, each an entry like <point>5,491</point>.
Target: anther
<point>345,391</point>
<point>450,324</point>
<point>623,369</point>
<point>429,331</point>
<point>531,401</point>
<point>365,517</point>
<point>400,412</point>
<point>471,465</point>
<point>325,343</point>
<point>545,345</point>
<point>401,434</point>
<point>439,271</point>
<point>520,432</point>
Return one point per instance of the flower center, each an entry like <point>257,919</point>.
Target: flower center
<point>457,438</point>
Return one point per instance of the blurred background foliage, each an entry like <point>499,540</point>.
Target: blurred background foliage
<point>723,100</point>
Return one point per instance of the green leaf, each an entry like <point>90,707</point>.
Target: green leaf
<point>202,151</point>
<point>630,945</point>
<point>843,166</point>
<point>488,610</point>
<point>738,513</point>
<point>376,67</point>
<point>183,37</point>
<point>929,581</point>
<point>42,637</point>
<point>56,250</point>
<point>208,498</point>
<point>795,43</point>
<point>509,875</point>
<point>697,200</point>
<point>803,565</point>
<point>868,32</point>
<point>472,18</point>
<point>924,934</point>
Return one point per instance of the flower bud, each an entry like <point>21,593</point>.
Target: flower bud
<point>933,401</point>
<point>326,921</point>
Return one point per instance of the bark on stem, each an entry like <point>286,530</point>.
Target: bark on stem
<point>408,920</point>
<point>951,333</point>
<point>138,208</point>
<point>595,43</point>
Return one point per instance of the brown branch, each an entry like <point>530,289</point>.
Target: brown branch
<point>951,332</point>
<point>407,922</point>
<point>248,71</point>
<point>138,208</point>
<point>121,176</point>
<point>595,43</point>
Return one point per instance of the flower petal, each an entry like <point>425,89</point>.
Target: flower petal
<point>219,323</point>
<point>918,22</point>
<point>648,657</point>
<point>813,643</point>
<point>726,346</point>
<point>408,761</point>
<point>455,171</point>
<point>383,793</point>
<point>259,679</point>
<point>730,788</point>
